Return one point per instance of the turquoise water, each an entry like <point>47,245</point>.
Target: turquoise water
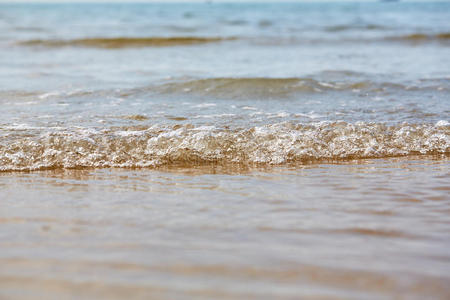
<point>225,151</point>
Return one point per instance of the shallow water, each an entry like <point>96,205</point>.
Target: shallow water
<point>368,230</point>
<point>248,151</point>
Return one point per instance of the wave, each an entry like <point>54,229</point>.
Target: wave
<point>268,88</point>
<point>29,28</point>
<point>241,87</point>
<point>188,145</point>
<point>232,87</point>
<point>338,28</point>
<point>124,42</point>
<point>140,42</point>
<point>147,42</point>
<point>244,87</point>
<point>421,37</point>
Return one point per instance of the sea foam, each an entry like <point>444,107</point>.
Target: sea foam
<point>189,145</point>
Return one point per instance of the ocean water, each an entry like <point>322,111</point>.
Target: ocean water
<point>225,150</point>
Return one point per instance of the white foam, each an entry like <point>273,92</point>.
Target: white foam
<point>205,105</point>
<point>48,95</point>
<point>271,144</point>
<point>442,123</point>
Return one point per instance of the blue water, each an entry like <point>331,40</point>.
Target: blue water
<point>225,70</point>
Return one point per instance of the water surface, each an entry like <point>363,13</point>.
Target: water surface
<point>225,151</point>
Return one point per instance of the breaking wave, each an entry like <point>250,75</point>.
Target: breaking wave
<point>188,145</point>
<point>124,42</point>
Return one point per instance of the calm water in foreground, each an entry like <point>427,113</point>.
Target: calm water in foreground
<point>225,151</point>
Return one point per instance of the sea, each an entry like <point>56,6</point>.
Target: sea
<point>276,150</point>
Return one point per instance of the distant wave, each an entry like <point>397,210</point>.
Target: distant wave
<point>335,38</point>
<point>189,145</point>
<point>30,28</point>
<point>124,42</point>
<point>338,28</point>
<point>421,37</point>
<point>140,42</point>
